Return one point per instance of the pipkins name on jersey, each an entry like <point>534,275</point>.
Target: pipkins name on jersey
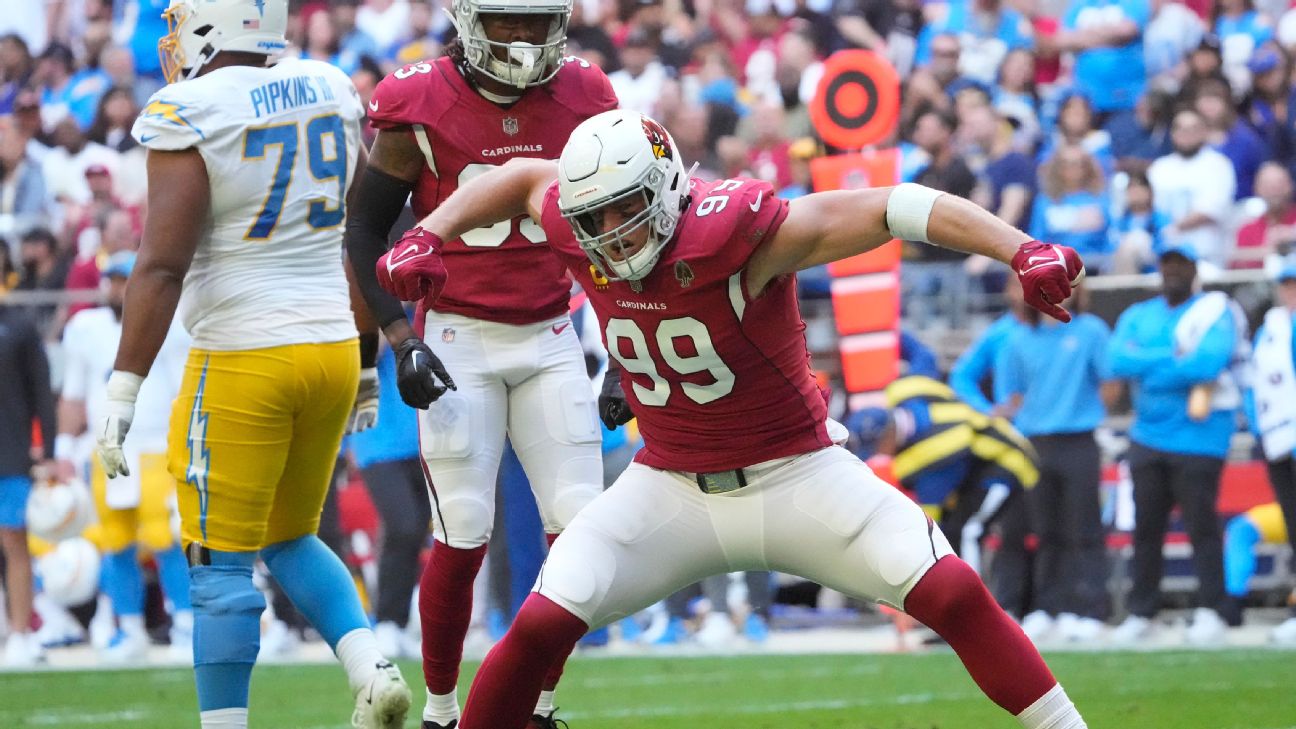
<point>643,305</point>
<point>289,93</point>
<point>512,149</point>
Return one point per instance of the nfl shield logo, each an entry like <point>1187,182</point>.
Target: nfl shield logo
<point>510,125</point>
<point>447,335</point>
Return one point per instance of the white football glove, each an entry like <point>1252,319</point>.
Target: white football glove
<point>123,388</point>
<point>365,413</point>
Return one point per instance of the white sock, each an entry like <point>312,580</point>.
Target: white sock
<point>182,620</point>
<point>360,657</point>
<point>132,625</point>
<point>545,706</point>
<point>441,708</point>
<point>224,719</point>
<point>1053,710</point>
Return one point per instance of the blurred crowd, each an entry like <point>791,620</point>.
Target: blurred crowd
<point>1118,127</point>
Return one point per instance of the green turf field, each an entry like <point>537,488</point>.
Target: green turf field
<point>1171,690</point>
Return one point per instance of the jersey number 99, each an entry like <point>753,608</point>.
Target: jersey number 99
<point>326,148</point>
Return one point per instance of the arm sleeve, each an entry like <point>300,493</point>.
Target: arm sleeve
<point>380,199</point>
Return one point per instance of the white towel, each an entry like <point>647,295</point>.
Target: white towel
<point>1193,325</point>
<point>1275,385</point>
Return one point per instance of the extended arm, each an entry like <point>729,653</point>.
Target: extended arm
<point>830,226</point>
<point>515,188</point>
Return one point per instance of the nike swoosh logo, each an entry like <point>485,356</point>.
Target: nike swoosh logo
<point>1038,259</point>
<point>373,105</point>
<point>414,359</point>
<point>558,328</point>
<point>405,256</point>
<point>145,139</point>
<point>755,206</point>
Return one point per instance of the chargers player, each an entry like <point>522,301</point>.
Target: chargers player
<point>503,91</point>
<point>694,285</point>
<point>249,169</point>
<point>133,510</point>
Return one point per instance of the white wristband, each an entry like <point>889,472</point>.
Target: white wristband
<point>123,386</point>
<point>909,207</point>
<point>64,445</point>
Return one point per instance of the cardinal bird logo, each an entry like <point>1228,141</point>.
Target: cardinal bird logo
<point>658,138</point>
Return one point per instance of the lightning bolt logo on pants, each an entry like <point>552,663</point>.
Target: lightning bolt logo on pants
<point>199,453</point>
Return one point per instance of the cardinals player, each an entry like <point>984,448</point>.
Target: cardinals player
<point>500,325</point>
<point>694,284</point>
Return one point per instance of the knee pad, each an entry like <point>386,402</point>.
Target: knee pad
<point>227,614</point>
<point>465,519</point>
<point>569,499</point>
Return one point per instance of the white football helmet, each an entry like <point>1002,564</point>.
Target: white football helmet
<point>611,158</point>
<point>58,510</point>
<point>199,29</point>
<point>69,574</point>
<point>527,64</point>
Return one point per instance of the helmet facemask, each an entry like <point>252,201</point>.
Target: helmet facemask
<point>608,250</point>
<point>524,64</point>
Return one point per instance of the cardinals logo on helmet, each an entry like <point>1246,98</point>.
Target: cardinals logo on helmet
<point>658,138</point>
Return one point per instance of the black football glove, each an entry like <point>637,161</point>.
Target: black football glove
<point>417,372</point>
<point>612,406</point>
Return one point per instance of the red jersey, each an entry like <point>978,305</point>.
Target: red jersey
<point>718,380</point>
<point>466,135</point>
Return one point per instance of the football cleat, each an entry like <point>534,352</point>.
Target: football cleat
<point>540,721</point>
<point>384,702</point>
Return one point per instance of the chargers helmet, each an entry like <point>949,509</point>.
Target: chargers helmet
<point>526,64</point>
<point>59,510</point>
<point>69,574</point>
<point>611,158</point>
<point>199,29</point>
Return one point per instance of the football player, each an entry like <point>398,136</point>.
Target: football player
<point>249,168</point>
<point>133,510</point>
<point>503,91</point>
<point>694,285</point>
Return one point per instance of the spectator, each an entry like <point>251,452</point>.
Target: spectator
<point>1071,207</point>
<point>113,120</point>
<point>384,21</point>
<point>767,156</point>
<point>1231,136</point>
<point>1173,350</point>
<point>1139,138</point>
<point>1241,30</point>
<point>26,115</point>
<point>426,36</point>
<point>321,41</point>
<point>1270,408</point>
<point>25,397</point>
<point>352,42</point>
<point>986,30</point>
<point>66,164</point>
<point>1274,232</point>
<point>799,152</point>
<point>639,83</point>
<point>22,186</point>
<point>972,377</point>
<point>1173,33</point>
<point>930,86</point>
<point>1193,188</point>
<point>28,21</point>
<point>1007,179</point>
<point>1016,97</point>
<point>1107,38</point>
<point>1051,376</point>
<point>66,91</point>
<point>1136,234</point>
<point>138,25</point>
<point>1076,126</point>
<point>118,64</point>
<point>1271,107</point>
<point>42,268</point>
<point>889,27</point>
<point>1205,63</point>
<point>15,70</point>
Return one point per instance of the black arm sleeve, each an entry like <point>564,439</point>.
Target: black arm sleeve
<point>380,198</point>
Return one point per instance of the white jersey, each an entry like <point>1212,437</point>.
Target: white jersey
<point>90,343</point>
<point>280,145</point>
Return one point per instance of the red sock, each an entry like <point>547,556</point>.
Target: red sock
<point>445,609</point>
<point>509,682</point>
<point>951,600</point>
<point>555,670</point>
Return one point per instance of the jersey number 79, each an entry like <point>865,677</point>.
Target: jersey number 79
<point>324,168</point>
